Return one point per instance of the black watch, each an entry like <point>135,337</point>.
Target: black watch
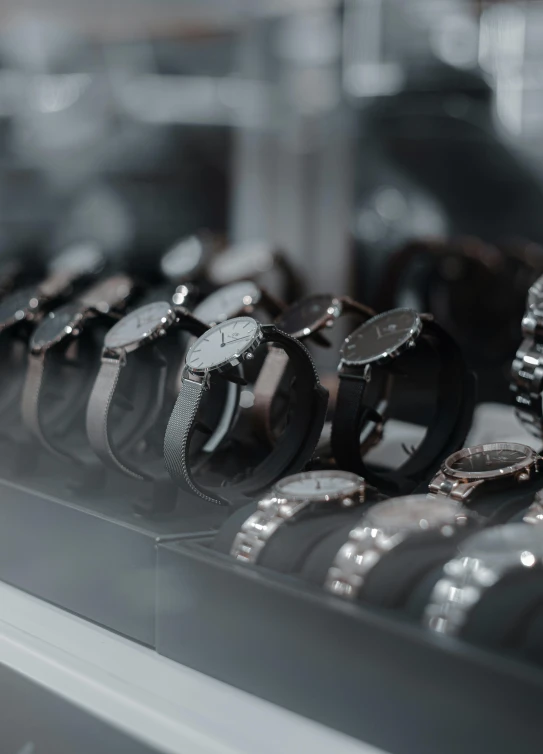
<point>62,362</point>
<point>400,342</point>
<point>220,350</point>
<point>67,273</point>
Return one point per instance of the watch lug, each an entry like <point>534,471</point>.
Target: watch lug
<point>456,489</point>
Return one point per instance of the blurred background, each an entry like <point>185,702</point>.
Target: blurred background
<point>393,148</point>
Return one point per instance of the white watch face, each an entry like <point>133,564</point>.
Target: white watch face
<point>227,302</point>
<point>222,343</point>
<point>502,546</point>
<point>183,259</point>
<point>84,258</point>
<point>319,485</point>
<point>411,513</point>
<point>138,324</point>
<point>243,260</point>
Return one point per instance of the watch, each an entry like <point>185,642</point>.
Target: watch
<point>77,264</point>
<point>132,353</point>
<point>383,528</point>
<point>21,310</point>
<point>293,497</point>
<point>527,370</point>
<point>492,465</point>
<point>400,341</point>
<point>221,349</point>
<point>304,319</point>
<point>234,300</point>
<point>63,339</point>
<point>251,260</point>
<point>186,259</point>
<point>482,561</point>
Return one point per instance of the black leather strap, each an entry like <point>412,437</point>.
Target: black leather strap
<point>454,402</point>
<point>292,451</point>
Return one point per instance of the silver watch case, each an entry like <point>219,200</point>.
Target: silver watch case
<point>482,560</point>
<point>246,353</point>
<point>170,317</point>
<point>460,484</point>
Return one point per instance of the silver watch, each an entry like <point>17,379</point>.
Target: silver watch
<point>328,490</point>
<point>482,560</point>
<point>527,370</point>
<point>495,464</point>
<point>534,514</point>
<point>236,300</point>
<point>383,528</point>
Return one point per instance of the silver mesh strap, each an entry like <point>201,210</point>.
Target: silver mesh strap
<point>98,409</point>
<point>30,405</point>
<point>177,438</point>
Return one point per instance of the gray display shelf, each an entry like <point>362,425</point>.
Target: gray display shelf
<point>67,685</point>
<point>95,557</point>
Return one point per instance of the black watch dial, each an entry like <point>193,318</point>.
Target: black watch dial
<point>139,324</point>
<point>308,315</point>
<point>183,260</point>
<point>55,326</point>
<point>490,457</point>
<point>18,305</point>
<point>381,336</point>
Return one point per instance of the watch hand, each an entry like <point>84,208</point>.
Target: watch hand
<point>244,337</point>
<point>222,336</point>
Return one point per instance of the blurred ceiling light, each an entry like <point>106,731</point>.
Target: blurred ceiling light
<point>455,40</point>
<point>52,94</point>
<point>193,99</point>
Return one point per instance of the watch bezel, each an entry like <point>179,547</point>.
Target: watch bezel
<point>78,313</point>
<point>231,361</point>
<point>530,459</point>
<point>390,353</point>
<point>358,491</point>
<point>332,313</point>
<point>156,331</point>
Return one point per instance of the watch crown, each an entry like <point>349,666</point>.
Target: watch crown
<point>524,476</point>
<point>249,356</point>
